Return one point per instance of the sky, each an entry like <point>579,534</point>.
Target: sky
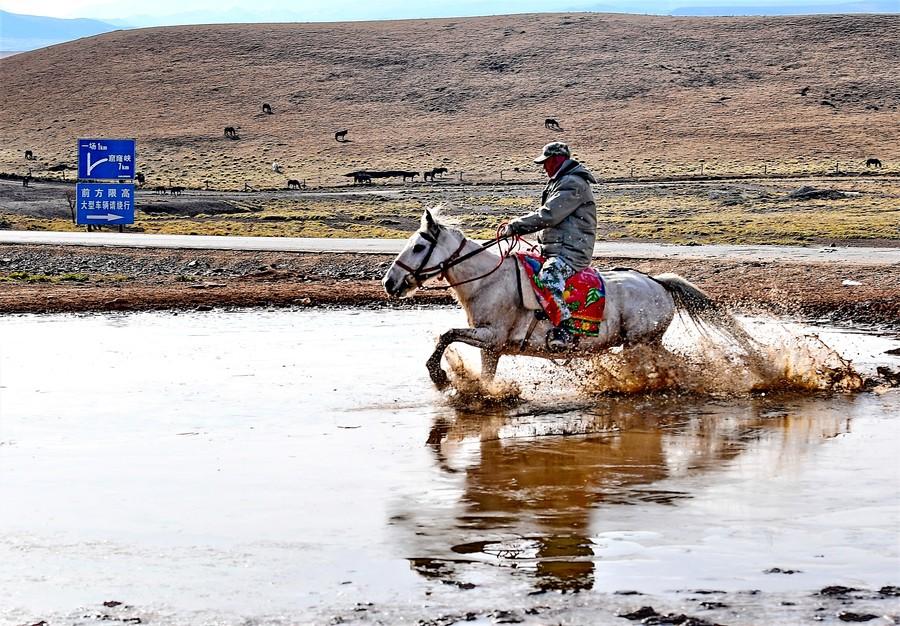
<point>160,12</point>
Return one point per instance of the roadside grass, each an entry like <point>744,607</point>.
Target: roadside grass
<point>29,277</point>
<point>758,212</point>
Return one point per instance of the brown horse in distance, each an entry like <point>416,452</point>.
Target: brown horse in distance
<point>551,124</point>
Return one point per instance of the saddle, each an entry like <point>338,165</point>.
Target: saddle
<point>584,295</point>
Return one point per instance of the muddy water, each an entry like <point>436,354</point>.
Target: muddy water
<point>296,467</point>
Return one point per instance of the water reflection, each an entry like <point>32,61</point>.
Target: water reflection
<point>530,481</point>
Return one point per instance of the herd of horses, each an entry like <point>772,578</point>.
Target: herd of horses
<point>174,190</point>
<point>365,177</point>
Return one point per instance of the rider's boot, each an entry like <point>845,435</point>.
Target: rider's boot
<point>559,338</point>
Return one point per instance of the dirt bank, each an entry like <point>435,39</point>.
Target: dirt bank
<point>45,279</point>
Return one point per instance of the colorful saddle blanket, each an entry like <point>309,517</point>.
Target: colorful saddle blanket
<point>584,294</point>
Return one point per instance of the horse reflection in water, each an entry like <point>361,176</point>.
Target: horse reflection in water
<point>528,500</point>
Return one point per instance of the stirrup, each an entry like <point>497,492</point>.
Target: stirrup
<point>559,338</point>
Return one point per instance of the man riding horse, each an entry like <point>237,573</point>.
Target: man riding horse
<point>567,220</point>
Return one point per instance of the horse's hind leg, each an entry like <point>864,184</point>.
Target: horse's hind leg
<point>478,337</point>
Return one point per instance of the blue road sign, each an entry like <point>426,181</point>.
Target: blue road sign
<point>104,204</point>
<point>106,159</point>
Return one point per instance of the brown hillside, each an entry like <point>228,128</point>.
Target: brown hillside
<point>656,93</point>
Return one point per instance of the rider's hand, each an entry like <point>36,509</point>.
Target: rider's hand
<point>506,231</point>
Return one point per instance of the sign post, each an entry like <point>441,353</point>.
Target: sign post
<point>105,203</point>
<point>106,159</point>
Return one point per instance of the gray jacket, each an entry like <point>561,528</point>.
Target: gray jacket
<point>568,216</point>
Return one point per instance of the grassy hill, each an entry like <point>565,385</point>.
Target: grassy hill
<point>656,94</point>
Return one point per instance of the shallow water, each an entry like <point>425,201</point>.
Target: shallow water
<point>294,466</point>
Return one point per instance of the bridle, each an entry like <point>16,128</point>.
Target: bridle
<point>422,273</point>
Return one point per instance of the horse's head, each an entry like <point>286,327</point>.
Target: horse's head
<point>421,258</point>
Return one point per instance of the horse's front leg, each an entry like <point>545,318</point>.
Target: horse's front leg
<point>489,361</point>
<point>479,337</point>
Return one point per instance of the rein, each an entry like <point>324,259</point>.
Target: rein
<point>422,273</point>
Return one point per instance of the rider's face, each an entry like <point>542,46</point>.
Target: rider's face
<point>552,164</point>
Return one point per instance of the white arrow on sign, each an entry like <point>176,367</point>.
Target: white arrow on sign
<point>109,217</point>
<point>91,166</point>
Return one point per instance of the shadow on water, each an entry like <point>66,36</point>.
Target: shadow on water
<point>533,478</point>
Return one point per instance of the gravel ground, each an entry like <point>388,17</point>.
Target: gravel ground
<point>43,279</point>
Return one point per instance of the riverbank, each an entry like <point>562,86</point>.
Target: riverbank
<point>50,279</point>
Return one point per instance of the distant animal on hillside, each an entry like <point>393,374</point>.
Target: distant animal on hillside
<point>293,183</point>
<point>409,175</point>
<point>140,178</point>
<point>176,191</point>
<point>362,178</point>
<point>427,175</point>
<point>59,167</point>
<point>29,155</point>
<point>231,132</point>
<point>276,167</point>
<point>440,171</point>
<point>341,135</point>
<point>551,124</point>
<point>804,91</point>
<point>160,190</point>
<point>873,163</point>
<point>267,108</point>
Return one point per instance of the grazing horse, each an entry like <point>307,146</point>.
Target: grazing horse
<point>440,171</point>
<point>873,163</point>
<point>341,135</point>
<point>140,178</point>
<point>409,175</point>
<point>160,190</point>
<point>427,175</point>
<point>176,191</point>
<point>231,132</point>
<point>362,178</point>
<point>638,307</point>
<point>267,108</point>
<point>551,124</point>
<point>29,155</point>
<point>293,183</point>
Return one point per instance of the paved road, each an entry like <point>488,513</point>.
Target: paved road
<point>855,256</point>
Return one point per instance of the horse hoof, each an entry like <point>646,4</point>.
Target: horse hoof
<point>439,378</point>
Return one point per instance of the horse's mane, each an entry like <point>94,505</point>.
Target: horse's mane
<point>438,212</point>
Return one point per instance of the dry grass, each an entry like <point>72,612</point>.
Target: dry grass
<point>652,95</point>
<point>760,212</point>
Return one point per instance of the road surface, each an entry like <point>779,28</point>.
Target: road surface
<point>846,255</point>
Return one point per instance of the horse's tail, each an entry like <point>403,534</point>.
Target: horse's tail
<point>703,310</point>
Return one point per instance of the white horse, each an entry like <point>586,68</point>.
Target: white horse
<point>638,308</point>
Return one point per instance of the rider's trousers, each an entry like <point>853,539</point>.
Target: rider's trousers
<point>554,273</point>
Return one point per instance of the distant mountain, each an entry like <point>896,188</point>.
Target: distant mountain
<point>864,6</point>
<point>28,32</point>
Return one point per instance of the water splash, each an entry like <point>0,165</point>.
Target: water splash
<point>731,361</point>
<point>724,360</point>
<point>470,391</point>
